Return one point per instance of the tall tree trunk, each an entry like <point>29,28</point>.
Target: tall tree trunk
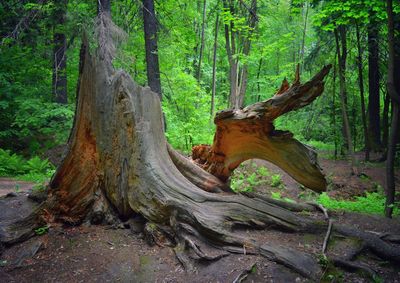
<point>59,55</point>
<point>202,40</point>
<point>237,76</point>
<point>385,123</point>
<point>214,68</point>
<point>395,96</point>
<point>342,63</point>
<point>104,6</point>
<point>150,37</point>
<point>362,95</point>
<point>252,21</point>
<point>260,62</point>
<point>343,101</point>
<point>334,109</point>
<point>230,47</point>
<point>303,40</point>
<point>373,78</point>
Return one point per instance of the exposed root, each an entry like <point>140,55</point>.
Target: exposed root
<point>373,243</point>
<point>354,267</point>
<point>243,275</point>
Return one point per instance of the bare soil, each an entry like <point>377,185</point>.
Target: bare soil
<point>114,254</point>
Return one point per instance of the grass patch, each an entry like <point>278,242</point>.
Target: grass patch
<point>371,203</point>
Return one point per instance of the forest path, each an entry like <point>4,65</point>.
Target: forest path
<point>9,185</point>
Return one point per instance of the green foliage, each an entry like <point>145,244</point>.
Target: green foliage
<point>372,203</point>
<point>41,230</point>
<point>44,124</point>
<point>11,163</point>
<point>276,180</point>
<point>34,169</point>
<point>186,109</point>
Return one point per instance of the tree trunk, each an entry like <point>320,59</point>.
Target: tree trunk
<point>343,100</point>
<point>202,41</point>
<point>59,55</point>
<point>394,94</point>
<point>214,68</point>
<point>335,153</point>
<point>104,6</point>
<point>119,165</point>
<point>362,96</point>
<point>303,40</point>
<point>373,78</point>
<point>385,124</point>
<point>150,36</point>
<point>237,76</point>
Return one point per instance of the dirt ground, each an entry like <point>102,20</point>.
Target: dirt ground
<point>118,254</point>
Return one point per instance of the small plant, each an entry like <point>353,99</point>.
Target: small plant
<point>276,181</point>
<point>262,171</point>
<point>276,195</point>
<point>17,188</point>
<point>41,230</point>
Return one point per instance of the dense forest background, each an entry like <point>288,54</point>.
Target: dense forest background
<point>208,50</point>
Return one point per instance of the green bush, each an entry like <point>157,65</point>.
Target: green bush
<point>372,203</point>
<point>11,163</point>
<point>34,169</point>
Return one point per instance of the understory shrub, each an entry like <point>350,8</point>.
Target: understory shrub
<point>34,169</point>
<point>371,203</point>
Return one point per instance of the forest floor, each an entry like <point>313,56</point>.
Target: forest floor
<point>114,254</point>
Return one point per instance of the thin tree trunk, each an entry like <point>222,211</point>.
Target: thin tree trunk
<point>60,56</point>
<point>214,70</point>
<point>304,36</point>
<point>238,78</point>
<point>362,95</point>
<point>385,124</point>
<point>246,51</point>
<point>258,78</point>
<point>394,94</point>
<point>202,41</point>
<point>373,78</point>
<point>150,36</point>
<point>334,109</point>
<point>342,35</point>
<point>230,47</point>
<point>342,87</point>
<point>104,6</point>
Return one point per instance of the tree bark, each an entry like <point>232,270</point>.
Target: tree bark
<point>343,100</point>
<point>394,94</point>
<point>202,40</point>
<point>104,6</point>
<point>119,165</point>
<point>150,36</point>
<point>362,95</point>
<point>303,40</point>
<point>59,54</point>
<point>373,78</point>
<point>237,75</point>
<point>249,133</point>
<point>214,68</point>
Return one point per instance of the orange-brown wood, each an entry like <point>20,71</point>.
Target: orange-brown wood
<point>247,133</point>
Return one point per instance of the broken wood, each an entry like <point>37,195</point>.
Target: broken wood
<point>247,133</point>
<point>119,165</point>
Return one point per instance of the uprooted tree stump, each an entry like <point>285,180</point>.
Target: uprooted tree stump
<point>119,165</point>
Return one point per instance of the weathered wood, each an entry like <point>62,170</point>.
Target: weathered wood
<point>120,165</point>
<point>247,133</point>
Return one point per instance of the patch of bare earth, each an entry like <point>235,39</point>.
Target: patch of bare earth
<point>118,254</point>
